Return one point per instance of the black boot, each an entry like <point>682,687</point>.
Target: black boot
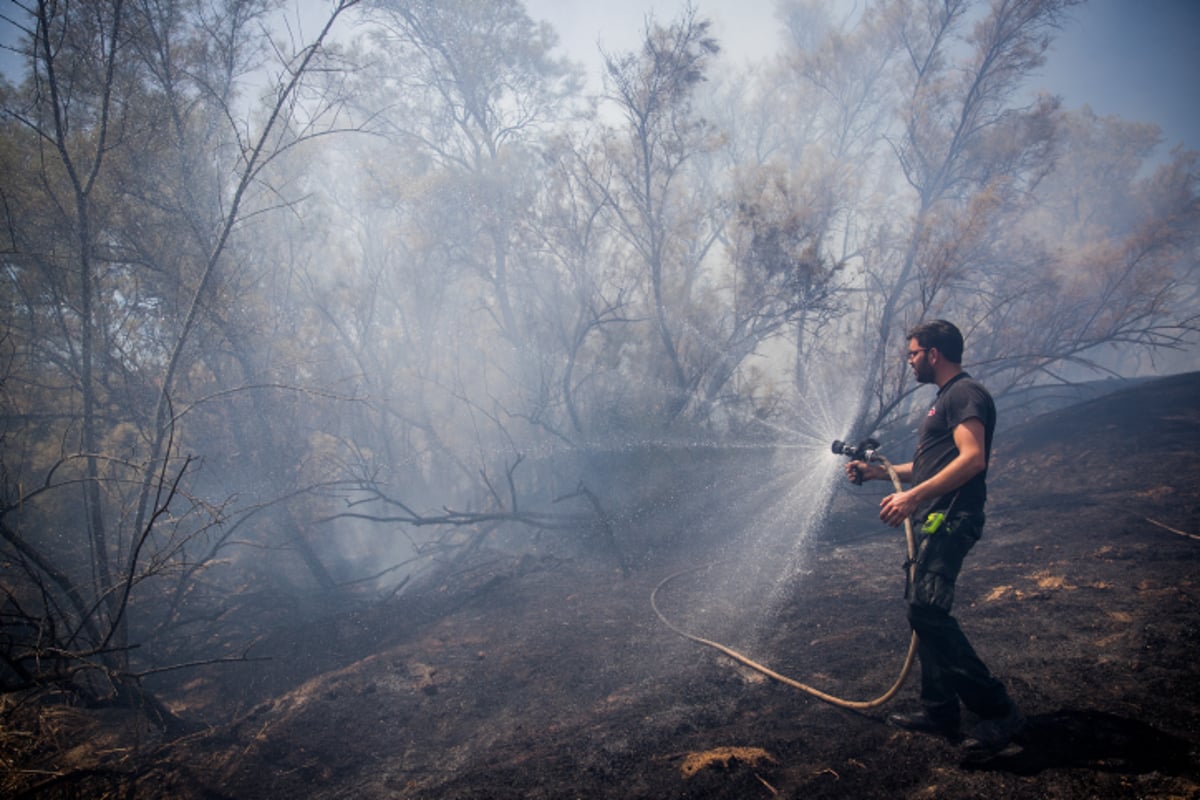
<point>992,735</point>
<point>921,722</point>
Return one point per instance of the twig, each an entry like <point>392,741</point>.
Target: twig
<point>770,788</point>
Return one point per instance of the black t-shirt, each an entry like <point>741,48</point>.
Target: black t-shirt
<point>958,401</point>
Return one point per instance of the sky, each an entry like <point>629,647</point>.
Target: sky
<point>1137,59</point>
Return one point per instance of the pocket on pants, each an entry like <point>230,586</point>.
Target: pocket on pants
<point>937,566</point>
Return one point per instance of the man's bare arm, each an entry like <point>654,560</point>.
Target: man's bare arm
<point>970,461</point>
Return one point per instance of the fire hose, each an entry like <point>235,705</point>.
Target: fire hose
<point>756,666</point>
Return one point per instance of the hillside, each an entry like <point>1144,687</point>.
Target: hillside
<point>552,679</point>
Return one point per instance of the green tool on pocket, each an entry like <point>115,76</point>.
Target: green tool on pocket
<point>933,523</point>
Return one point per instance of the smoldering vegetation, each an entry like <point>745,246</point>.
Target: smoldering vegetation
<point>305,310</point>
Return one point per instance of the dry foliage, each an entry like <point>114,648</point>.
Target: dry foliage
<point>722,756</point>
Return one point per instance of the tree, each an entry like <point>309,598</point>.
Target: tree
<point>1117,276</point>
<point>114,91</point>
<point>784,276</point>
<point>968,157</point>
<point>945,185</point>
<point>476,82</point>
<point>666,222</point>
<point>468,91</point>
<point>439,290</point>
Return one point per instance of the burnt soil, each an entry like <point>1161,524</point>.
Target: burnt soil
<point>553,678</point>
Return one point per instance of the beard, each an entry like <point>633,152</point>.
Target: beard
<point>923,372</point>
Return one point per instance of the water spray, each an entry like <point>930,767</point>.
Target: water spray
<point>866,450</point>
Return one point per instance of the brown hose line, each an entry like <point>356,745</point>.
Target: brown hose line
<point>817,693</point>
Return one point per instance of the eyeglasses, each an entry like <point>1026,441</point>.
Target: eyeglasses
<point>914,353</point>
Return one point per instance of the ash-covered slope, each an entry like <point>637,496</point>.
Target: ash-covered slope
<point>554,679</point>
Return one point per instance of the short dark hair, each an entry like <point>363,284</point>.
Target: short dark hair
<point>940,334</point>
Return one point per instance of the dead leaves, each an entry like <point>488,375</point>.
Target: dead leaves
<point>1044,581</point>
<point>722,757</point>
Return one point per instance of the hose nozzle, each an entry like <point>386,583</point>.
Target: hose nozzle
<point>866,450</point>
<point>863,451</point>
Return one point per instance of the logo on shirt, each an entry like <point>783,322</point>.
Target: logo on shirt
<point>932,412</point>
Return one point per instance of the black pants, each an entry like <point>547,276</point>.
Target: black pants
<point>951,672</point>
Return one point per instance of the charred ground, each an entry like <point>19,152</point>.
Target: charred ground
<point>553,678</point>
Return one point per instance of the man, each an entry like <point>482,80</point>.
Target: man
<point>948,489</point>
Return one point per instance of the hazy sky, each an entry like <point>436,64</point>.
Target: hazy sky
<point>1139,59</point>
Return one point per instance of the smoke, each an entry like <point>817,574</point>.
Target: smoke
<point>461,315</point>
<point>767,532</point>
